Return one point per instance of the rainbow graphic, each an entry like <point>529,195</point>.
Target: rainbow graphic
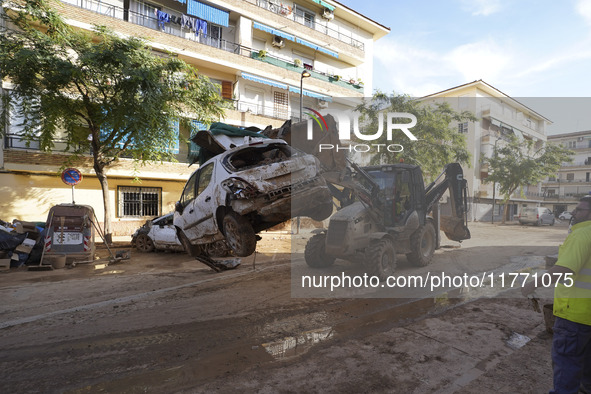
<point>317,117</point>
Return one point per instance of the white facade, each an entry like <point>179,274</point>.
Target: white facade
<point>498,116</point>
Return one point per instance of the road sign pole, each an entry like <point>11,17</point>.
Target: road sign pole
<point>73,202</point>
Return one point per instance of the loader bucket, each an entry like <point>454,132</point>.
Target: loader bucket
<point>454,228</point>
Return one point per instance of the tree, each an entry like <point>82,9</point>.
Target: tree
<point>439,141</point>
<point>107,94</point>
<point>516,163</point>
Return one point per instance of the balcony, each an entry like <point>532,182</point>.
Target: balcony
<point>288,13</point>
<point>334,79</point>
<point>215,42</point>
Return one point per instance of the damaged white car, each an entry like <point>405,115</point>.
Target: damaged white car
<point>247,189</point>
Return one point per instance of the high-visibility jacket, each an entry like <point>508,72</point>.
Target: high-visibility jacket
<point>572,298</point>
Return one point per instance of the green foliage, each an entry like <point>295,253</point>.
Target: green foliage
<point>109,94</point>
<point>439,141</point>
<point>516,163</point>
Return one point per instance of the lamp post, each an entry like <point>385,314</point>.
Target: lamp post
<point>305,74</point>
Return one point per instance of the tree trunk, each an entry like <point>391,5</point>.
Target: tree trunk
<point>505,211</point>
<point>102,177</point>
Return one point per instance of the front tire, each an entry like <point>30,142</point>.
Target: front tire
<point>422,244</point>
<point>381,259</point>
<point>239,234</point>
<point>315,252</point>
<point>144,244</point>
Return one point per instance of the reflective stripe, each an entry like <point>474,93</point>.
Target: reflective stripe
<point>582,285</point>
<point>585,271</point>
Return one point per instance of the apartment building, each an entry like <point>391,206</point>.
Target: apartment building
<point>254,50</point>
<point>498,117</point>
<point>573,181</point>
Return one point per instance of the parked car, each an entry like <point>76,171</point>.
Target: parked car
<point>248,189</point>
<point>160,234</point>
<point>536,216</point>
<point>566,215</point>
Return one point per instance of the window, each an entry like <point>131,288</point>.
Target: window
<point>204,178</point>
<point>570,177</point>
<point>280,105</point>
<point>189,190</point>
<point>572,144</point>
<point>304,16</point>
<point>139,201</point>
<point>145,15</point>
<point>463,128</point>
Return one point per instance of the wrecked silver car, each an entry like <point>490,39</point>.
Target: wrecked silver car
<point>247,189</point>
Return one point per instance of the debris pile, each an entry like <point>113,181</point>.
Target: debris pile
<point>20,243</point>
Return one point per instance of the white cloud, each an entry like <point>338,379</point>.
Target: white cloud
<point>482,7</point>
<point>583,8</point>
<point>417,71</point>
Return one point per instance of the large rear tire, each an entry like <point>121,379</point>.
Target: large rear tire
<point>239,234</point>
<point>321,212</point>
<point>315,252</point>
<point>422,244</point>
<point>381,259</point>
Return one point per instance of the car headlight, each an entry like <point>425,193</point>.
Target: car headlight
<point>239,188</point>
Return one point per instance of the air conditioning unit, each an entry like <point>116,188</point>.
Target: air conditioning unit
<point>328,14</point>
<point>322,103</point>
<point>278,42</point>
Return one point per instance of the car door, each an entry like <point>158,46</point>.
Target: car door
<point>199,212</point>
<point>548,216</point>
<point>164,233</point>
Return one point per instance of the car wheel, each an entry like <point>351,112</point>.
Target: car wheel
<point>315,252</point>
<point>217,249</point>
<point>239,234</point>
<point>422,244</point>
<point>192,250</point>
<point>143,243</point>
<point>381,259</point>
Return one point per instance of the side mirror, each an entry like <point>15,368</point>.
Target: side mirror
<point>178,207</point>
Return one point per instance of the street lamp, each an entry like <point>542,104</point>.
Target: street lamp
<point>305,74</point>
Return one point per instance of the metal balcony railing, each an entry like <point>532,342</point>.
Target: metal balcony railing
<point>174,29</point>
<point>288,13</point>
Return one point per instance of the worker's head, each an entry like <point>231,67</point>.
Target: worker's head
<point>582,212</point>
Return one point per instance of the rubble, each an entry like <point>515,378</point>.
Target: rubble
<point>20,243</point>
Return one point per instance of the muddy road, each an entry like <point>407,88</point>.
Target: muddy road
<point>162,322</point>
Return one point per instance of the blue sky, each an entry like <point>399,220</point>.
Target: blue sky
<point>524,48</point>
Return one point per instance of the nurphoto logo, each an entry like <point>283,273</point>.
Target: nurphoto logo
<point>346,118</point>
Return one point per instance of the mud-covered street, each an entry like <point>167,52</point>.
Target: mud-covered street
<point>162,322</point>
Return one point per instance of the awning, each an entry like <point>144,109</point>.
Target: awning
<point>316,47</point>
<point>291,37</point>
<point>518,133</point>
<point>262,80</point>
<point>324,4</point>
<point>208,13</point>
<point>310,94</point>
<point>276,32</point>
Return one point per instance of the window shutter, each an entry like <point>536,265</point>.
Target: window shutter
<point>227,90</point>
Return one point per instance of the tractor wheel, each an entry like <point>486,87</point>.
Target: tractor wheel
<point>422,244</point>
<point>190,249</point>
<point>143,243</point>
<point>381,259</point>
<point>315,252</point>
<point>321,212</point>
<point>239,234</point>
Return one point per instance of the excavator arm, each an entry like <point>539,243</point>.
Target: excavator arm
<point>455,226</point>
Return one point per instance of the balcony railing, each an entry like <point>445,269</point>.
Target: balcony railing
<point>215,42</point>
<point>288,13</point>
